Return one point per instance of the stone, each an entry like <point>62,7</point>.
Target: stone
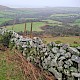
<point>60,69</point>
<point>67,72</point>
<point>60,63</point>
<point>48,58</point>
<point>56,73</point>
<point>69,62</point>
<point>52,44</point>
<point>62,50</point>
<point>65,46</point>
<point>57,56</point>
<point>46,61</point>
<point>68,55</point>
<point>76,74</point>
<point>78,48</point>
<point>24,53</point>
<point>70,78</point>
<point>75,58</point>
<point>62,58</point>
<point>61,44</point>
<point>54,63</point>
<point>44,49</point>
<point>73,51</point>
<point>66,66</point>
<point>45,53</point>
<point>51,55</point>
<point>73,69</point>
<point>42,58</point>
<point>79,67</point>
<point>44,65</point>
<point>55,50</point>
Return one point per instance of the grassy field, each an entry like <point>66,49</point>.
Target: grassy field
<point>63,15</point>
<point>2,20</point>
<point>20,27</point>
<point>53,23</point>
<point>66,40</point>
<point>36,25</point>
<point>77,22</point>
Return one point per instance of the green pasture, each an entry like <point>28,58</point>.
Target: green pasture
<point>53,22</point>
<point>20,27</point>
<point>2,20</point>
<point>77,22</point>
<point>63,15</point>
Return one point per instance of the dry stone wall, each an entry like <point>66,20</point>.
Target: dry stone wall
<point>60,59</point>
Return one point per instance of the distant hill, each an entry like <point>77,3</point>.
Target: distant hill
<point>4,8</point>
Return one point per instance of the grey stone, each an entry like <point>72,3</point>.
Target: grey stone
<point>79,78</point>
<point>60,63</point>
<point>69,62</point>
<point>65,46</point>
<point>55,50</point>
<point>73,69</point>
<point>44,65</point>
<point>57,56</point>
<point>53,44</point>
<point>44,49</point>
<point>66,66</point>
<point>48,58</point>
<point>46,54</point>
<point>78,48</point>
<point>56,73</point>
<point>60,69</point>
<point>73,51</point>
<point>54,63</point>
<point>76,74</point>
<point>62,51</point>
<point>68,55</point>
<point>75,58</point>
<point>67,72</point>
<point>79,67</point>
<point>62,58</point>
<point>70,78</point>
<point>51,55</point>
<point>61,44</point>
<point>42,58</point>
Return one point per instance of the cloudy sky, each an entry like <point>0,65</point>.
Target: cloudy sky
<point>40,3</point>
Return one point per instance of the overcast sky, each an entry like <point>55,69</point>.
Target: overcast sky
<point>40,3</point>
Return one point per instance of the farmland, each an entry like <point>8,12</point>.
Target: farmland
<point>53,22</point>
<point>20,27</point>
<point>77,22</point>
<point>73,41</point>
<point>56,22</point>
<point>3,20</point>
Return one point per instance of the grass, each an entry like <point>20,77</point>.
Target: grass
<point>77,22</point>
<point>53,23</point>
<point>2,20</point>
<point>9,68</point>
<point>66,40</point>
<point>63,15</point>
<point>20,27</point>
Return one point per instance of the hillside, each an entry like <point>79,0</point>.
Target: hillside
<point>4,8</point>
<point>11,65</point>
